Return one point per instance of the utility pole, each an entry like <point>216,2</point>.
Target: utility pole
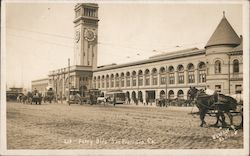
<point>166,82</point>
<point>68,78</point>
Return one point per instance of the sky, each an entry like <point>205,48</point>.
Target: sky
<point>40,36</point>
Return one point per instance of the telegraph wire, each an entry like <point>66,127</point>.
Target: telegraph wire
<point>109,43</point>
<point>43,33</point>
<point>39,40</point>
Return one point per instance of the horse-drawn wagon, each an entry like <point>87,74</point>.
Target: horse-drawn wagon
<point>225,108</point>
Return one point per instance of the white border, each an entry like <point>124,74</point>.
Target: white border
<point>146,152</point>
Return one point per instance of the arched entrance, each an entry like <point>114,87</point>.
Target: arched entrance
<point>171,95</point>
<point>128,97</point>
<point>82,90</point>
<point>180,94</point>
<point>162,94</point>
<point>140,98</point>
<point>133,95</point>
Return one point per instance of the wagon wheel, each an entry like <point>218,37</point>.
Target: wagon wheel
<point>211,118</point>
<point>237,118</point>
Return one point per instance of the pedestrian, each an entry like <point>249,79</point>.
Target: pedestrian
<point>91,99</point>
<point>147,100</point>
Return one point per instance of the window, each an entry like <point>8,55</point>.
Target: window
<point>154,77</point>
<point>171,78</point>
<point>107,82</point>
<point>180,94</point>
<point>217,67</point>
<point>163,79</point>
<point>235,66</point>
<point>122,82</point>
<point>133,78</point>
<point>147,81</point>
<point>98,82</point>
<point>112,81</point>
<point>180,74</point>
<point>171,95</point>
<point>90,12</point>
<point>134,81</point>
<point>103,83</point>
<point>117,82</point>
<point>202,76</point>
<point>162,76</point>
<point>147,77</point>
<point>218,88</point>
<point>191,77</point>
<point>238,89</point>
<point>202,72</point>
<point>171,75</point>
<point>154,80</point>
<point>140,78</point>
<point>181,77</point>
<point>140,81</point>
<point>128,81</point>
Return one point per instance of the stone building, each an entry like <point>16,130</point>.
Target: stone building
<point>41,85</point>
<point>80,74</point>
<point>218,66</point>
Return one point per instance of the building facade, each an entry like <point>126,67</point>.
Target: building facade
<point>41,85</point>
<point>218,66</point>
<point>85,53</point>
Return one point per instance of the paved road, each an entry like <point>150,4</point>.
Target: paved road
<point>59,126</point>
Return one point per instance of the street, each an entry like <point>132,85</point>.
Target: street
<point>60,126</point>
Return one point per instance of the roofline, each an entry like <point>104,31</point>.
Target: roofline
<point>40,79</point>
<point>152,60</point>
<point>232,44</point>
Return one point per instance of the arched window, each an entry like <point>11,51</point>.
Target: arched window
<point>122,79</point>
<point>107,81</point>
<point>191,77</point>
<point>94,82</point>
<point>98,82</point>
<point>162,94</point>
<point>202,72</point>
<point>171,95</point>
<point>117,82</point>
<point>147,77</point>
<point>180,94</point>
<point>103,81</point>
<point>134,78</point>
<point>140,78</point>
<point>128,79</point>
<point>180,74</point>
<point>171,75</point>
<point>154,76</point>
<point>112,80</point>
<point>162,76</point>
<point>236,67</point>
<point>217,66</point>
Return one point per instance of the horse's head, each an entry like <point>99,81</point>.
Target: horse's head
<point>193,92</point>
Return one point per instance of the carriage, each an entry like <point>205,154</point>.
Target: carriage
<point>225,108</point>
<point>49,96</point>
<point>88,97</point>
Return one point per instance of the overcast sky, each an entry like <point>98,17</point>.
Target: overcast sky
<point>39,36</point>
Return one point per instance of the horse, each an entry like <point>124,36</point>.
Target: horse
<point>221,103</point>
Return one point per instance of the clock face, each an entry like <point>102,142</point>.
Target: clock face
<point>89,35</point>
<point>77,36</point>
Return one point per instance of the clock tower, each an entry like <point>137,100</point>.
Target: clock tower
<point>86,30</point>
